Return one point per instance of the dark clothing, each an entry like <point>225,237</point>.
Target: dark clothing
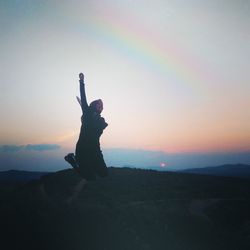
<point>88,153</point>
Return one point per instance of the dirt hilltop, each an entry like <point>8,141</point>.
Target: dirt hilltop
<point>130,209</point>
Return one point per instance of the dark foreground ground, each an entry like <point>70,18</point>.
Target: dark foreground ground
<point>129,210</point>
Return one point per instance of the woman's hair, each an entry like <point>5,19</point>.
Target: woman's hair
<point>93,104</point>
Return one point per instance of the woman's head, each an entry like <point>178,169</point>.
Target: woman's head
<point>97,106</point>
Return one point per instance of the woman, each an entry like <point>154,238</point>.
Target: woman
<point>88,159</point>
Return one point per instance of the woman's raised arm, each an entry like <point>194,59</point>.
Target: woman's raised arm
<point>83,94</point>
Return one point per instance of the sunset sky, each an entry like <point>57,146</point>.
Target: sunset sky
<point>173,75</point>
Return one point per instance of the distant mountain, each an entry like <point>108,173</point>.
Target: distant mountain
<point>232,170</point>
<point>17,176</point>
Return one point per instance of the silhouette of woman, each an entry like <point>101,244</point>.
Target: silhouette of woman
<point>88,159</point>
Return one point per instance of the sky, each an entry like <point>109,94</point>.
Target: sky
<point>173,75</point>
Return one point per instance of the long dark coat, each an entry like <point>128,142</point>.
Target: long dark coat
<point>88,153</point>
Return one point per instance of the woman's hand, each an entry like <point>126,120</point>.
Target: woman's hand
<point>81,77</point>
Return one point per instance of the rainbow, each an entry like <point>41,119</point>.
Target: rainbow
<point>169,59</point>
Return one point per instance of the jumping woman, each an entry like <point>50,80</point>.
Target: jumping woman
<point>88,159</point>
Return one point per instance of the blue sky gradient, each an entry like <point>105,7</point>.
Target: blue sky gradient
<point>173,75</point>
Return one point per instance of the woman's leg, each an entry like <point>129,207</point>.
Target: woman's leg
<point>100,165</point>
<point>70,158</point>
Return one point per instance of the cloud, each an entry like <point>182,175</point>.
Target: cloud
<point>10,148</point>
<point>42,147</point>
<point>28,147</point>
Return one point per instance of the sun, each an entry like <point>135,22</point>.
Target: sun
<point>163,164</point>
